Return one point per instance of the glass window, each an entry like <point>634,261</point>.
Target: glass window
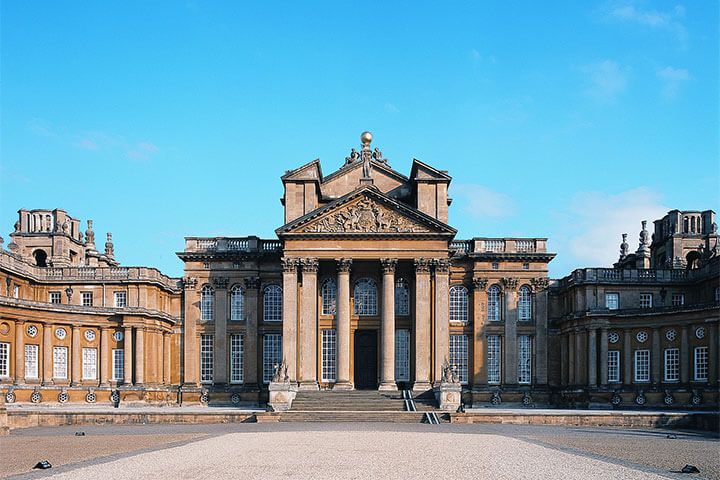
<point>612,301</point>
<point>402,355</point>
<point>717,294</point>
<point>87,299</point>
<point>458,304</point>
<point>55,297</point>
<point>524,304</point>
<point>459,356</point>
<point>613,366</point>
<point>494,353</point>
<point>672,365</point>
<point>402,297</point>
<point>329,351</point>
<point>4,359</point>
<point>328,291</point>
<point>494,304</point>
<point>365,297</point>
<point>701,364</point>
<point>678,299</point>
<point>120,299</point>
<point>89,365</point>
<point>237,303</point>
<point>16,291</point>
<point>642,365</point>
<point>207,303</point>
<point>237,360</point>
<point>206,358</point>
<point>60,358</point>
<point>524,359</point>
<point>272,304</point>
<point>118,367</point>
<point>646,300</point>
<point>272,354</point>
<point>31,361</point>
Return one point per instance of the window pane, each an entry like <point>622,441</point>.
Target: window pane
<point>31,361</point>
<point>672,365</point>
<point>459,356</point>
<point>89,358</point>
<point>118,364</point>
<point>493,360</point>
<point>60,362</point>
<point>329,295</point>
<point>365,297</point>
<point>272,354</point>
<point>494,303</point>
<point>237,360</point>
<point>272,304</point>
<point>329,349</point>
<point>524,304</point>
<point>612,300</point>
<point>4,359</point>
<point>206,358</point>
<point>402,355</point>
<point>524,359</point>
<point>642,365</point>
<point>613,366</point>
<point>237,303</point>
<point>701,364</point>
<point>402,297</point>
<point>207,303</point>
<point>458,304</point>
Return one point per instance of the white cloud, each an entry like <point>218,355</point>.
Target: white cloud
<point>607,80</point>
<point>672,79</point>
<point>481,202</point>
<point>391,108</point>
<point>475,55</point>
<point>143,151</point>
<point>588,232</point>
<point>670,21</point>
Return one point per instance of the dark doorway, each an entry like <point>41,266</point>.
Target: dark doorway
<point>40,258</point>
<point>365,359</point>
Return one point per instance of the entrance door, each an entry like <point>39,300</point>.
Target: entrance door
<point>365,359</point>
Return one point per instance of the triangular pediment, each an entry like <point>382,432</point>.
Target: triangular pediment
<point>367,211</point>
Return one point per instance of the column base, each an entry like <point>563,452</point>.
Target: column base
<point>388,386</point>
<point>343,386</point>
<point>309,385</point>
<point>421,386</point>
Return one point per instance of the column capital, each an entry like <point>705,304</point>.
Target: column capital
<point>289,264</point>
<point>442,265</point>
<point>510,283</point>
<point>479,283</point>
<point>388,265</point>
<point>422,265</point>
<point>76,328</point>
<point>309,265</point>
<point>220,283</point>
<point>189,283</point>
<point>252,283</point>
<point>104,328</point>
<point>344,265</point>
<point>539,284</point>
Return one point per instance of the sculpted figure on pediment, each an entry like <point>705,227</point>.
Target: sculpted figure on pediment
<point>366,216</point>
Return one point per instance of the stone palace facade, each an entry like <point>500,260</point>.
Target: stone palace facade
<point>365,287</point>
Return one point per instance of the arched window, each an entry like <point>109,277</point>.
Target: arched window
<point>328,291</point>
<point>458,304</point>
<point>237,303</point>
<point>207,303</point>
<point>493,306</point>
<point>524,304</point>
<point>402,297</point>
<point>272,303</point>
<point>365,297</point>
<point>40,258</point>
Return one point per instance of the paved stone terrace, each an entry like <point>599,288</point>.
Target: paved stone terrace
<point>351,451</point>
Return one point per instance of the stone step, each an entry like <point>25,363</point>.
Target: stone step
<point>351,416</point>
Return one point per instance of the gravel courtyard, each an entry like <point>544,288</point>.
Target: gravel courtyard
<point>313,451</point>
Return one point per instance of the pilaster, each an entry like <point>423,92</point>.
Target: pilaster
<point>220,356</point>
<point>627,359</point>
<point>592,357</point>
<point>47,354</point>
<point>479,376</point>
<point>252,292</point>
<point>104,356</point>
<point>442,316</point>
<point>139,356</point>
<point>290,316</point>
<point>308,325</point>
<point>19,352</point>
<point>387,326</point>
<point>510,297</point>
<point>343,324</point>
<point>422,325</point>
<point>191,361</point>
<point>128,352</point>
<point>76,354</point>
<point>603,356</point>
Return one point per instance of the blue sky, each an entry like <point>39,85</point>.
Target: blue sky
<point>159,120</point>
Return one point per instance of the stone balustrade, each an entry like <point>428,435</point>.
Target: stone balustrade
<point>500,245</point>
<point>234,244</point>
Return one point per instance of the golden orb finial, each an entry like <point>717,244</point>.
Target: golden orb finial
<point>366,138</point>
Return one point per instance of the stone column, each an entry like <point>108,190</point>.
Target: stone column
<point>191,361</point>
<point>139,356</point>
<point>128,352</point>
<point>47,355</point>
<point>627,359</point>
<point>655,357</point>
<point>571,358</point>
<point>19,352</point>
<point>564,361</point>
<point>510,313</point>
<point>422,325</point>
<point>308,325</point>
<point>342,321</point>
<point>160,355</point>
<point>540,316</point>
<point>685,359</point>
<point>579,371</point>
<point>387,326</point>
<point>479,376</point>
<point>290,313</point>
<point>76,371</point>
<point>442,316</point>
<point>592,357</point>
<point>220,342</point>
<point>105,354</point>
<point>252,291</point>
<point>603,356</point>
<point>167,358</point>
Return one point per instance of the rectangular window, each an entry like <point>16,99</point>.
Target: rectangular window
<point>89,359</point>
<point>672,365</point>
<point>701,364</point>
<point>118,366</point>
<point>272,354</point>
<point>459,356</point>
<point>55,297</point>
<point>402,355</point>
<point>87,299</point>
<point>642,365</point>
<point>60,359</point>
<point>4,359</point>
<point>120,299</point>
<point>678,299</point>
<point>237,358</point>
<point>206,358</point>
<point>16,291</point>
<point>494,352</point>
<point>329,351</point>
<point>31,361</point>
<point>646,300</point>
<point>524,359</point>
<point>613,366</point>
<point>612,301</point>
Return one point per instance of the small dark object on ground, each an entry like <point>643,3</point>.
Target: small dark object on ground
<point>671,436</point>
<point>44,465</point>
<point>79,434</point>
<point>690,469</point>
